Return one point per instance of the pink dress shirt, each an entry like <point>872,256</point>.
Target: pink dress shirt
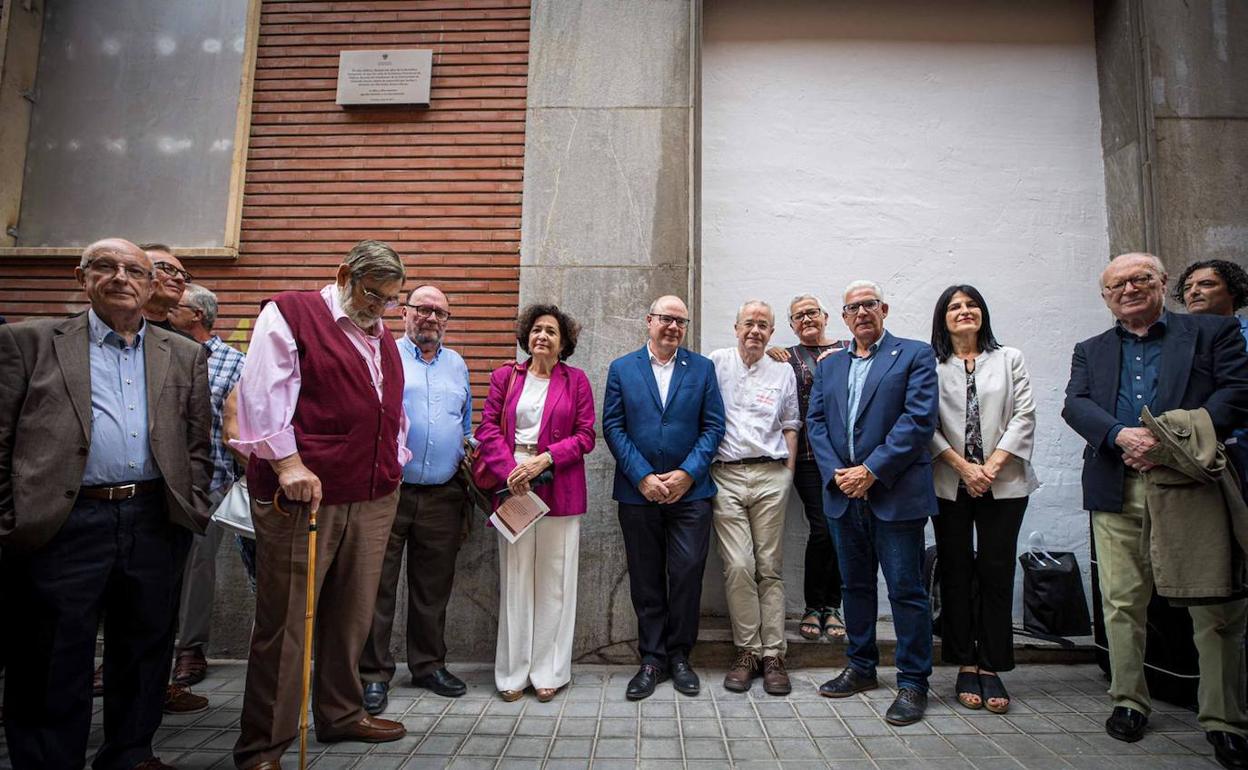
<point>269,388</point>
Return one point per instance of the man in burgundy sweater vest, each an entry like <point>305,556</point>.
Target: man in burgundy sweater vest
<point>320,412</point>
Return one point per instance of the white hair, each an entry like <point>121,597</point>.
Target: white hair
<point>760,303</point>
<point>864,284</point>
<point>803,298</point>
<point>205,300</point>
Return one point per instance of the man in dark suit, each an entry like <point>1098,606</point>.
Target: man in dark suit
<point>873,409</point>
<point>663,418</point>
<point>104,473</point>
<point>1163,361</point>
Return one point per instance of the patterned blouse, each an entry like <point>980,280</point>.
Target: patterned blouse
<point>804,359</point>
<point>974,452</point>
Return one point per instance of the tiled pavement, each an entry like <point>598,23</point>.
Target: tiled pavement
<point>1055,722</point>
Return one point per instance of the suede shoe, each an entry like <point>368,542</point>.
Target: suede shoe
<point>180,700</point>
<point>367,730</point>
<point>907,708</point>
<point>1126,724</point>
<point>684,679</point>
<point>847,683</point>
<point>441,682</point>
<point>190,667</point>
<point>1230,749</point>
<point>742,672</point>
<point>376,697</point>
<point>775,678</point>
<point>643,682</point>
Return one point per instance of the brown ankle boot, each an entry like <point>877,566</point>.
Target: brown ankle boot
<point>775,678</point>
<point>742,672</point>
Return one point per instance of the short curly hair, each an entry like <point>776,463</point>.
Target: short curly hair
<point>569,329</point>
<point>1234,276</point>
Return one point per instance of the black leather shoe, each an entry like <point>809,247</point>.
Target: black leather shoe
<point>684,678</point>
<point>442,682</point>
<point>643,682</point>
<point>1126,724</point>
<point>847,683</point>
<point>907,708</point>
<point>375,697</point>
<point>1230,749</point>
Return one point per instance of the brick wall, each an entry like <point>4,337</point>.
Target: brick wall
<point>441,184</point>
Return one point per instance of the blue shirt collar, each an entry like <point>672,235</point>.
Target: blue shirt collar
<point>852,348</point>
<point>1155,331</point>
<point>100,330</point>
<point>418,354</point>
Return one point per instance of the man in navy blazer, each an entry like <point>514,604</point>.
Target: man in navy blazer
<point>663,418</point>
<point>1163,361</point>
<point>873,409</point>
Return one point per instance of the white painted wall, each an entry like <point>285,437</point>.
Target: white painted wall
<point>917,144</point>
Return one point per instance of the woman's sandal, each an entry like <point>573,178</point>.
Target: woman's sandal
<point>833,625</point>
<point>811,626</point>
<point>968,683</point>
<point>994,689</point>
<point>511,695</point>
<point>547,694</point>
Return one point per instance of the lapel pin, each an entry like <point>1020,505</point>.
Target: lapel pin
<point>894,352</point>
<point>684,363</point>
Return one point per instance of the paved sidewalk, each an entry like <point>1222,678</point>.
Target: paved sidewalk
<point>1055,722</point>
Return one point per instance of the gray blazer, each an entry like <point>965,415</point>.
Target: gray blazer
<point>45,425</point>
<point>1007,419</point>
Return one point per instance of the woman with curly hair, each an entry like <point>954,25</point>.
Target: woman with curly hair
<point>536,428</point>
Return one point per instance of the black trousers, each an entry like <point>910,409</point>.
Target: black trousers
<point>822,585</point>
<point>124,558</point>
<point>977,584</point>
<point>666,547</point>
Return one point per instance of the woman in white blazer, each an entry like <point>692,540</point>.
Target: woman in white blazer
<point>983,477</point>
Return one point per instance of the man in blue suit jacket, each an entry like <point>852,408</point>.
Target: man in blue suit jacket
<point>873,409</point>
<point>662,417</point>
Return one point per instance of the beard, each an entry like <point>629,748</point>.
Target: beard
<point>365,318</point>
<point>426,337</point>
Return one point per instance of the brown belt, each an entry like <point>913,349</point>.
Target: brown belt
<point>750,461</point>
<point>527,448</point>
<point>120,491</point>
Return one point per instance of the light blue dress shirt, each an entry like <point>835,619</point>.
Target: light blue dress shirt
<point>859,367</point>
<point>120,452</point>
<point>438,401</point>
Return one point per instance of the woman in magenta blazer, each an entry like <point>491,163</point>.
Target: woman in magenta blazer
<point>536,428</point>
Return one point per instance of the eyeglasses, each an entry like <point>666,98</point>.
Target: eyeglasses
<point>868,305</point>
<point>802,315</point>
<point>109,269</point>
<point>426,312</point>
<point>668,320</point>
<point>1141,281</point>
<point>173,271</point>
<point>389,303</point>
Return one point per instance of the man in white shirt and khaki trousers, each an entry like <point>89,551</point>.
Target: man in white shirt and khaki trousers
<point>753,469</point>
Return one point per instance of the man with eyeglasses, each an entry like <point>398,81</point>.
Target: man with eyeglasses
<point>663,418</point>
<point>873,410</point>
<point>171,280</point>
<point>429,524</point>
<point>99,495</point>
<point>753,470</point>
<point>320,413</point>
<point>1160,360</point>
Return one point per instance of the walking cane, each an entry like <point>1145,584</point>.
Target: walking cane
<point>309,610</point>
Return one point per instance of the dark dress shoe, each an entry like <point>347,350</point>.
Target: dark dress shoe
<point>1126,724</point>
<point>907,708</point>
<point>376,696</point>
<point>367,730</point>
<point>442,682</point>
<point>190,667</point>
<point>1230,749</point>
<point>684,678</point>
<point>643,682</point>
<point>847,683</point>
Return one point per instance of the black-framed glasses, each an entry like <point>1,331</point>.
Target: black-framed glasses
<point>425,311</point>
<point>809,313</point>
<point>1141,281</point>
<point>389,303</point>
<point>867,304</point>
<point>668,320</point>
<point>109,269</point>
<point>173,271</point>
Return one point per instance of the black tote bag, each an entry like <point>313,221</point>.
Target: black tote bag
<point>1054,603</point>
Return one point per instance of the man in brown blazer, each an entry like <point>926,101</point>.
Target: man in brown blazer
<point>104,473</point>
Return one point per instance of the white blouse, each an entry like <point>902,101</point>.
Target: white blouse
<point>529,408</point>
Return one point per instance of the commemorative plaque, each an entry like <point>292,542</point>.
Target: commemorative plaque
<point>384,77</point>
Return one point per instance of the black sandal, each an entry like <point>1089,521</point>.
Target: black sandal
<point>992,687</point>
<point>969,684</point>
<point>811,626</point>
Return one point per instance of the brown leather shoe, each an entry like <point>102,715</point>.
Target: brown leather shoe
<point>775,678</point>
<point>367,730</point>
<point>742,672</point>
<point>180,700</point>
<point>190,667</point>
<point>153,763</point>
<point>267,764</point>
<point>97,681</point>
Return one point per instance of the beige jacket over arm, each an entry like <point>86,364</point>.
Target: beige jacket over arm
<point>1007,418</point>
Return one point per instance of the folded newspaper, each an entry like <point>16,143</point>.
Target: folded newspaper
<point>517,514</point>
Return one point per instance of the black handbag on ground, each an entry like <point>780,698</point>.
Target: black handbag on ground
<point>1054,603</point>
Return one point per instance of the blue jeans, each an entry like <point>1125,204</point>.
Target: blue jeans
<point>864,545</point>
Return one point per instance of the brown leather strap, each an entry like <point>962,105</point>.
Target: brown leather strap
<point>120,491</point>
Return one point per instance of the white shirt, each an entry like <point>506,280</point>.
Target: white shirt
<point>662,372</point>
<point>529,408</point>
<point>760,402</point>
